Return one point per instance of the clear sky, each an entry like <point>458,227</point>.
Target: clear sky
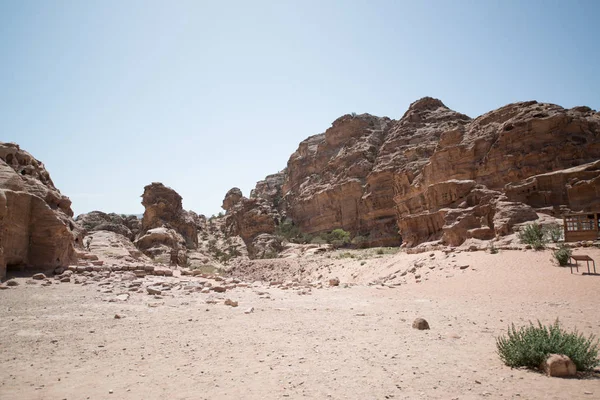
<point>204,96</point>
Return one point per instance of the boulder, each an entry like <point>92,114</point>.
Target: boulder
<point>559,365</point>
<point>420,324</point>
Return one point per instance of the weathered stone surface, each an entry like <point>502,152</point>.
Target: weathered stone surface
<point>270,189</point>
<point>163,208</point>
<point>232,197</point>
<point>168,231</point>
<point>420,324</point>
<point>512,143</point>
<point>249,218</point>
<point>111,246</point>
<point>436,174</point>
<point>559,365</point>
<point>128,226</point>
<point>265,245</point>
<point>327,181</point>
<point>36,219</point>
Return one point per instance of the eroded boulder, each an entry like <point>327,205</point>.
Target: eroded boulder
<point>37,225</point>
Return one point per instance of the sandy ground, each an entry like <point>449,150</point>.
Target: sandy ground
<point>356,342</point>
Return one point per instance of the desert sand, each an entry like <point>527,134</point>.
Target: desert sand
<point>353,341</point>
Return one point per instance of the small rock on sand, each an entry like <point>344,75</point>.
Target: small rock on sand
<point>231,303</point>
<point>420,324</point>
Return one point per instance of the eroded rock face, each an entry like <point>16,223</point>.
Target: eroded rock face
<point>128,226</point>
<point>232,197</point>
<point>515,142</point>
<point>36,219</point>
<point>251,217</point>
<point>327,181</point>
<point>437,175</point>
<point>168,231</point>
<point>270,189</point>
<point>163,208</point>
<point>112,246</point>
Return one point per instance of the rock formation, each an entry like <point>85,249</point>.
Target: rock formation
<point>438,175</point>
<point>167,229</point>
<point>36,224</point>
<point>128,226</point>
<point>510,144</point>
<point>249,219</point>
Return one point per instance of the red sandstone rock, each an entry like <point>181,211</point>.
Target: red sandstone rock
<point>36,219</point>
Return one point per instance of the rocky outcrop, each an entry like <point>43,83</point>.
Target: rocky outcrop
<point>36,224</point>
<point>232,197</point>
<point>110,246</point>
<point>249,218</point>
<point>163,208</point>
<point>515,142</point>
<point>327,181</point>
<point>576,188</point>
<point>437,175</point>
<point>126,225</point>
<point>270,189</point>
<point>168,231</point>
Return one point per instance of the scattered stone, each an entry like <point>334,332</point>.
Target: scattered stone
<point>12,282</point>
<point>218,289</point>
<point>229,302</point>
<point>420,324</point>
<point>153,290</point>
<point>117,316</point>
<point>249,310</point>
<point>559,365</point>
<point>39,277</point>
<point>463,267</point>
<point>334,282</point>
<point>65,279</point>
<point>3,286</point>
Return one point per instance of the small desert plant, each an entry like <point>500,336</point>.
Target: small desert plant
<point>492,248</point>
<point>380,251</point>
<point>339,238</point>
<point>529,346</point>
<point>346,255</point>
<point>563,254</point>
<point>533,235</point>
<point>554,232</point>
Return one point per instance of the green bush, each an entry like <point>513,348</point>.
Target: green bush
<point>493,249</point>
<point>529,346</point>
<point>554,232</point>
<point>533,235</point>
<point>318,240</point>
<point>359,241</point>
<point>562,255</point>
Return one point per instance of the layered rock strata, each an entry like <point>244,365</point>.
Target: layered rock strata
<point>36,224</point>
<point>437,175</point>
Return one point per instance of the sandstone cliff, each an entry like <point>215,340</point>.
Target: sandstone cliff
<point>36,224</point>
<point>254,220</point>
<point>436,174</point>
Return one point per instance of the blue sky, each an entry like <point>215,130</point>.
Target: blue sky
<point>204,96</point>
